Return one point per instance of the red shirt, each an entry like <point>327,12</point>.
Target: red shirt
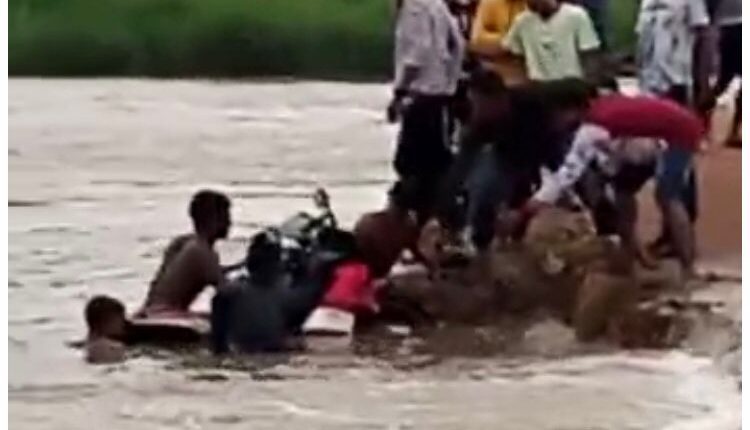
<point>650,117</point>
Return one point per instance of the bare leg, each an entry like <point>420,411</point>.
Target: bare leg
<point>627,215</point>
<point>681,233</point>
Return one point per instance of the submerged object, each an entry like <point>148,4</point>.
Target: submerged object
<point>169,330</point>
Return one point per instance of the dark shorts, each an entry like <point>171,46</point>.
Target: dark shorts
<point>496,182</point>
<point>592,188</point>
<point>632,177</point>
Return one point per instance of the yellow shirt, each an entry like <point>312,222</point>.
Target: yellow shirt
<point>492,22</point>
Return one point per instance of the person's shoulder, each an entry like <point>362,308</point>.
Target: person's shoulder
<point>573,11</point>
<point>194,247</point>
<point>524,18</point>
<point>179,241</point>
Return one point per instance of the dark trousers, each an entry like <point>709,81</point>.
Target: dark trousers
<point>423,153</point>
<point>494,183</point>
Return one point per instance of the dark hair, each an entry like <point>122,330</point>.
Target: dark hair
<point>342,242</point>
<point>569,93</point>
<point>264,252</point>
<point>100,309</point>
<point>485,81</point>
<point>206,204</point>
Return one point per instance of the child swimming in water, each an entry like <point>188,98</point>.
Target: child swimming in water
<point>190,262</point>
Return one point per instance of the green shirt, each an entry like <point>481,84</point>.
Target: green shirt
<point>552,47</point>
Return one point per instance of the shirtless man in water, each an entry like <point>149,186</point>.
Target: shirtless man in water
<point>190,262</point>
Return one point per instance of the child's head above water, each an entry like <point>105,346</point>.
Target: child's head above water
<point>209,211</point>
<point>105,318</point>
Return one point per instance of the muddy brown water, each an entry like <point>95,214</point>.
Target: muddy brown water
<point>99,175</point>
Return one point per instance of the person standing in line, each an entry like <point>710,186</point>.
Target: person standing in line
<point>557,40</point>
<point>492,22</point>
<point>429,52</point>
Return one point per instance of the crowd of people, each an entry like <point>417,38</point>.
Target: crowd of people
<point>542,94</point>
<point>487,101</point>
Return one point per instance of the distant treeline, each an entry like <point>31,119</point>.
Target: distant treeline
<point>326,39</point>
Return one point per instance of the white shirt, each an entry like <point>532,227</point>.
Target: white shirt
<point>593,143</point>
<point>666,38</point>
<point>428,37</point>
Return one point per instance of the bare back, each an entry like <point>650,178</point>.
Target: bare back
<point>381,237</point>
<point>188,266</point>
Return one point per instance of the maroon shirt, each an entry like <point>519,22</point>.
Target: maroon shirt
<point>644,116</point>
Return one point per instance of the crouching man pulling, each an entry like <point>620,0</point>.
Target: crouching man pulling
<point>604,140</point>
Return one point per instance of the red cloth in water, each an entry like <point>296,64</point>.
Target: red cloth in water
<point>352,289</point>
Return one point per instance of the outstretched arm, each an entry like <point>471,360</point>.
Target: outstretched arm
<point>576,161</point>
<point>579,157</point>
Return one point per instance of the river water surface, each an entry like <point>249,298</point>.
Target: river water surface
<point>100,172</point>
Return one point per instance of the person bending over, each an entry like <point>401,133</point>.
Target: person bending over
<point>602,138</point>
<point>190,262</point>
<point>513,134</point>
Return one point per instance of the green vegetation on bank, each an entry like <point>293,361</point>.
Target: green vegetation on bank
<point>330,39</point>
<point>622,17</point>
<point>233,38</point>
